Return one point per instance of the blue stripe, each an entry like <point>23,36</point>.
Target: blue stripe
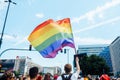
<point>56,45</point>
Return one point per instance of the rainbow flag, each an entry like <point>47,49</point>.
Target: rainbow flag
<point>49,37</point>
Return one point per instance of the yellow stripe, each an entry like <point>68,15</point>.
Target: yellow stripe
<point>67,27</point>
<point>49,29</point>
<point>44,37</point>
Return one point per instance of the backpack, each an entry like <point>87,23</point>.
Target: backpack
<point>66,78</point>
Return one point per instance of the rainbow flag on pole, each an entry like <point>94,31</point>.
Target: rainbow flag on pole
<point>49,37</point>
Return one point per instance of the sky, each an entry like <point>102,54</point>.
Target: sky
<point>93,22</point>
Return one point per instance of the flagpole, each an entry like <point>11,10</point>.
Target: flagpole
<point>9,1</point>
<point>73,40</point>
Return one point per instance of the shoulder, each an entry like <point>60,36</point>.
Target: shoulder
<point>75,75</point>
<point>59,78</point>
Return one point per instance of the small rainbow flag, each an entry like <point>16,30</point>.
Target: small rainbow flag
<point>49,37</point>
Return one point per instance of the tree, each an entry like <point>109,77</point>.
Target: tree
<point>93,65</point>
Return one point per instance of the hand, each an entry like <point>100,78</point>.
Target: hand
<point>77,59</point>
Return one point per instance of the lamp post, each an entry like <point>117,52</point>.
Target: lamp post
<point>9,1</point>
<point>67,51</point>
<point>68,55</point>
<point>14,50</point>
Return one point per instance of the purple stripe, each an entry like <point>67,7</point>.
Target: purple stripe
<point>52,50</point>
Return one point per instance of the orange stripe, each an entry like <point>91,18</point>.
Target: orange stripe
<point>66,20</point>
<point>42,25</point>
<point>49,25</point>
<point>65,23</point>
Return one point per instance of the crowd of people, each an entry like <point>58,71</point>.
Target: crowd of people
<point>35,75</point>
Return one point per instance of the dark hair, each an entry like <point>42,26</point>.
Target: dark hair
<point>47,76</point>
<point>67,68</point>
<point>33,72</point>
<point>7,75</point>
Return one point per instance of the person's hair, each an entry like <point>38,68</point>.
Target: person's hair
<point>68,68</point>
<point>33,72</point>
<point>7,75</point>
<point>47,76</point>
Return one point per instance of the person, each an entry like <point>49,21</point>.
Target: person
<point>118,78</point>
<point>47,76</point>
<point>33,72</point>
<point>55,77</point>
<point>68,69</point>
<point>104,77</point>
<point>89,77</point>
<point>8,76</point>
<point>96,78</point>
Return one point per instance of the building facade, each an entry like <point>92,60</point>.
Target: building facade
<point>52,70</point>
<point>106,55</point>
<point>115,55</point>
<point>100,50</point>
<point>21,64</point>
<point>24,63</point>
<point>91,49</point>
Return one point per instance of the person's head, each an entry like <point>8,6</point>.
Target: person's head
<point>68,68</point>
<point>33,72</point>
<point>47,76</point>
<point>8,76</point>
<point>55,77</point>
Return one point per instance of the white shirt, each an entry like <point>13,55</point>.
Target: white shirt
<point>73,77</point>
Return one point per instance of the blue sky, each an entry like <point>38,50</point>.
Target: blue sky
<point>93,22</point>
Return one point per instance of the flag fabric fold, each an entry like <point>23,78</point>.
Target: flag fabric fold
<point>51,36</point>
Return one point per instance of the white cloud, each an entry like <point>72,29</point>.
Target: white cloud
<point>30,2</point>
<point>16,39</point>
<point>2,5</point>
<point>98,24</point>
<point>90,15</point>
<point>89,40</point>
<point>101,15</point>
<point>39,15</point>
<point>21,40</point>
<point>9,37</point>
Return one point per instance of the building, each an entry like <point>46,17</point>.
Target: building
<point>106,55</point>
<point>100,50</point>
<point>21,64</point>
<point>115,55</point>
<point>91,49</point>
<point>52,70</point>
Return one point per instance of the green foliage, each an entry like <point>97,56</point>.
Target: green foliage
<point>93,65</point>
<point>17,73</point>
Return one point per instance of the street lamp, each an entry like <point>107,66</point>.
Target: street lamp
<point>67,55</point>
<point>9,1</point>
<point>67,51</point>
<point>14,50</point>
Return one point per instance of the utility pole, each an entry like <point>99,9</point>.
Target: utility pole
<point>9,1</point>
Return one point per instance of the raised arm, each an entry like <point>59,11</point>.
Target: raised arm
<point>77,64</point>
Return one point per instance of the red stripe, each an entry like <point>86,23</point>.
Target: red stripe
<point>42,25</point>
<point>66,20</point>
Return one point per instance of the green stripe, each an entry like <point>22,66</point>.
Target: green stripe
<point>53,39</point>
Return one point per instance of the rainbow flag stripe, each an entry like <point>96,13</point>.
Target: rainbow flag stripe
<point>50,37</point>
